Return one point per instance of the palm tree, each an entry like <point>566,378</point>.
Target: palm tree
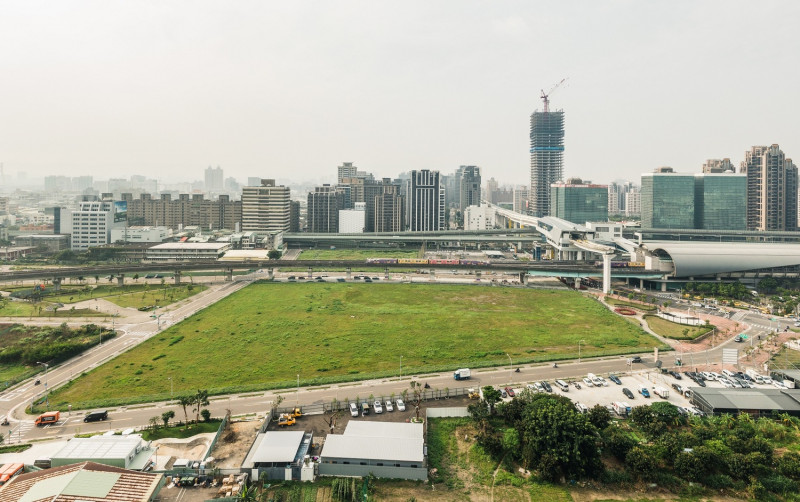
<point>185,401</point>
<point>199,400</point>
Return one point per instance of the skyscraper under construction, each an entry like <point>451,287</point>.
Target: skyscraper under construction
<point>547,157</point>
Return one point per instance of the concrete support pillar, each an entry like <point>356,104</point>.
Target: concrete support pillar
<point>349,272</point>
<point>432,274</point>
<point>177,277</point>
<point>386,273</point>
<point>525,279</point>
<point>228,275</point>
<point>270,273</point>
<point>606,273</point>
<point>310,272</point>
<point>641,284</point>
<point>663,287</point>
<point>577,283</point>
<point>580,255</point>
<point>57,283</point>
<point>477,274</point>
<point>121,280</point>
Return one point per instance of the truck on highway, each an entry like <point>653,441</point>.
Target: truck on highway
<point>50,417</point>
<point>461,374</point>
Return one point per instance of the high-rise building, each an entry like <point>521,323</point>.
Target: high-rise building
<point>491,188</point>
<point>253,181</point>
<point>711,201</point>
<point>265,208</point>
<point>214,179</point>
<point>425,202</point>
<point>324,204</point>
<point>348,170</point>
<point>389,209</point>
<point>633,203</point>
<point>294,216</point>
<point>714,166</point>
<point>579,202</point>
<point>353,221</point>
<point>668,200</point>
<point>547,158</point>
<point>771,189</point>
<point>719,201</point>
<point>618,198</point>
<point>186,210</point>
<point>469,186</point>
<point>521,199</point>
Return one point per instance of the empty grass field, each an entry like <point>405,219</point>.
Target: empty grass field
<point>266,334</point>
<point>676,331</point>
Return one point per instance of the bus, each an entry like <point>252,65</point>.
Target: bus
<point>8,471</point>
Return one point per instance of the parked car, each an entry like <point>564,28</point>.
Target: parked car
<point>377,407</point>
<point>644,392</point>
<point>353,410</point>
<point>683,411</point>
<point>677,388</point>
<point>389,406</point>
<point>675,375</point>
<point>401,406</point>
<point>627,393</point>
<point>587,382</point>
<point>615,379</point>
<point>509,391</point>
<point>636,359</point>
<point>503,393</point>
<point>538,387</point>
<point>546,386</point>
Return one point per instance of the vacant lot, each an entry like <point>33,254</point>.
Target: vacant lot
<point>266,334</point>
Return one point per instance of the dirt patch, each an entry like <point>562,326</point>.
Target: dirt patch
<point>171,449</point>
<point>234,443</point>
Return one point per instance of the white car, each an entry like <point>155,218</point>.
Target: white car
<point>588,382</point>
<point>708,375</point>
<point>401,406</point>
<point>389,406</point>
<point>353,410</point>
<point>377,407</point>
<point>778,384</point>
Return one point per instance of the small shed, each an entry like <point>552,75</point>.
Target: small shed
<point>279,454</point>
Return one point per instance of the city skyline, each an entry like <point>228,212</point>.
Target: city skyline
<point>269,89</point>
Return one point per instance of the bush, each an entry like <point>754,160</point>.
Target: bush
<point>205,414</point>
<point>618,442</point>
<point>642,461</point>
<point>779,484</point>
<point>689,466</point>
<point>789,465</point>
<point>718,481</point>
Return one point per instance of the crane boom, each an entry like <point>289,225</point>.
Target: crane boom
<point>546,95</point>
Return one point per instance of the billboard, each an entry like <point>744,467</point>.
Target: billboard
<point>120,210</point>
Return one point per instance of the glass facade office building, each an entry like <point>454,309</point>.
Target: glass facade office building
<point>721,201</point>
<point>579,203</point>
<point>667,200</point>
<point>694,201</point>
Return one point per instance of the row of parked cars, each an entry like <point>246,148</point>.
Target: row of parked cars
<point>377,407</point>
<point>733,379</point>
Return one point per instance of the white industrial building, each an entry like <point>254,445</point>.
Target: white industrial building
<point>127,452</point>
<point>385,449</point>
<point>140,234</point>
<point>90,225</point>
<point>478,218</point>
<point>183,251</point>
<point>281,455</point>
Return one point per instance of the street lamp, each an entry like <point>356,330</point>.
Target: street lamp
<point>510,367</point>
<point>579,349</point>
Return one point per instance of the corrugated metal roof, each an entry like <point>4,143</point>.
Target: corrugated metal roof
<point>99,447</point>
<point>373,448</point>
<point>703,258</point>
<point>278,446</point>
<point>750,399</point>
<point>388,441</point>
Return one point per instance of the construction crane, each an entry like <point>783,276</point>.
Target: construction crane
<point>546,95</point>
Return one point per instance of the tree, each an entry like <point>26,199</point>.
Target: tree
<point>491,396</point>
<point>205,414</point>
<point>273,254</point>
<point>599,416</point>
<point>199,400</point>
<point>154,423</point>
<point>642,461</point>
<point>135,277</point>
<point>417,389</point>
<point>186,401</point>
<point>559,440</point>
<point>167,416</point>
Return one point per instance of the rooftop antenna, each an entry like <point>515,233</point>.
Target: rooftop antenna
<point>546,95</point>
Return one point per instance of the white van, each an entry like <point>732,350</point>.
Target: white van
<point>582,408</point>
<point>561,384</point>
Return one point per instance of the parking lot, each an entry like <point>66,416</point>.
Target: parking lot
<point>605,395</point>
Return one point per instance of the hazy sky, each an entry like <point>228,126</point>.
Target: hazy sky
<point>291,89</point>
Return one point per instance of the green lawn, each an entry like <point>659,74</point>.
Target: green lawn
<point>264,335</point>
<point>43,309</point>
<point>674,330</point>
<point>637,306</point>
<point>181,431</point>
<point>356,254</point>
<point>157,296</point>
